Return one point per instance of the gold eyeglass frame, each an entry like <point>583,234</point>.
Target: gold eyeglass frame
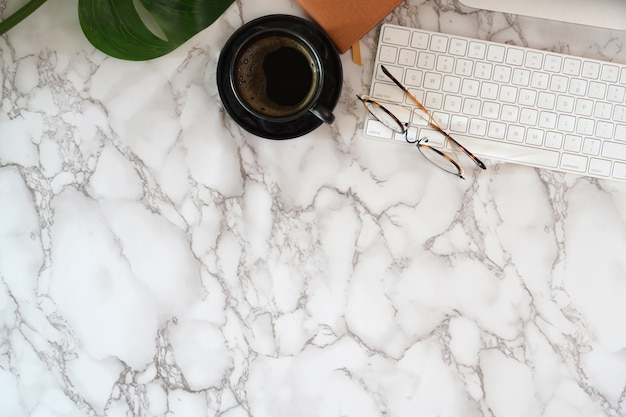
<point>421,143</point>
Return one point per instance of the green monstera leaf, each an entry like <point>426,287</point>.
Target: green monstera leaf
<point>117,28</point>
<point>136,30</point>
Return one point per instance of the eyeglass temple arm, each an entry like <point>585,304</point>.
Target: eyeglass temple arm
<point>473,157</point>
<point>403,88</point>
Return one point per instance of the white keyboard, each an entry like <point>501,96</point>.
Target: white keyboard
<point>508,103</point>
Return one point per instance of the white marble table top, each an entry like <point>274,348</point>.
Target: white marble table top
<point>157,260</point>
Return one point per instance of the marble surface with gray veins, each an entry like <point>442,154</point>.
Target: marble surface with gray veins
<point>158,260</point>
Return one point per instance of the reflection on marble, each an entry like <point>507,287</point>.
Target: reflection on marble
<point>157,260</point>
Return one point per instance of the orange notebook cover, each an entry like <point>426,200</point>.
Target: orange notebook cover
<point>346,21</point>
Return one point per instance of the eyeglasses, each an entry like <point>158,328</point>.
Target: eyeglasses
<point>385,116</point>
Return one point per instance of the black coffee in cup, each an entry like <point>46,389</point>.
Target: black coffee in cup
<point>276,75</point>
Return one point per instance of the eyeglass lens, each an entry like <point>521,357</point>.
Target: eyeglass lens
<point>385,116</point>
<point>438,158</point>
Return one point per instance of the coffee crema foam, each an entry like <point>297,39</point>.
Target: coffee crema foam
<point>275,75</point>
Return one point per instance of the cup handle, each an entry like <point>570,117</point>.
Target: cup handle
<point>323,114</point>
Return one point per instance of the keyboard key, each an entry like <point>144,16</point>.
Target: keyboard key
<point>565,104</point>
<point>502,74</point>
<point>528,117</point>
<point>575,163</point>
<point>483,70</point>
<point>552,63</point>
<point>572,143</point>
<point>591,146</point>
<point>547,120</point>
<point>619,114</point>
<point>597,90</point>
<point>470,88</point>
<point>471,107</point>
<point>527,97</point>
<point>619,171</point>
<point>464,67</point>
<point>534,137</point>
<point>458,47</point>
<point>388,92</point>
<point>566,123</point>
<point>616,93</point>
<point>395,71</point>
<point>426,60</point>
<point>388,54</point>
<point>491,110</point>
<point>459,124</point>
<point>603,111</point>
<point>451,84</point>
<point>432,81</point>
<point>604,130</point>
<point>377,129</point>
<point>434,100</point>
<point>591,70</point>
<point>478,127</point>
<point>534,60</point>
<point>452,104</point>
<point>600,167</point>
<point>496,130</point>
<point>508,94</point>
<point>610,73</point>
<point>495,53</point>
<point>445,64</point>
<point>477,50</point>
<point>584,107</point>
<point>413,77</point>
<point>540,80</point>
<point>546,100</point>
<point>407,57</point>
<point>396,36</point>
<point>578,87</point>
<point>443,119</point>
<point>554,140</point>
<point>489,91</point>
<point>620,133</point>
<point>585,126</point>
<point>516,133</point>
<point>515,57</point>
<point>572,66</point>
<point>419,40</point>
<point>509,113</point>
<point>438,43</point>
<point>558,84</point>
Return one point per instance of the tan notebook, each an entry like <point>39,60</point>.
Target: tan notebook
<point>346,21</point>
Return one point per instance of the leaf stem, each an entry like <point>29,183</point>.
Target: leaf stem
<point>21,14</point>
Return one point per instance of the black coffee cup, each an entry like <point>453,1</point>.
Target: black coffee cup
<point>278,76</point>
